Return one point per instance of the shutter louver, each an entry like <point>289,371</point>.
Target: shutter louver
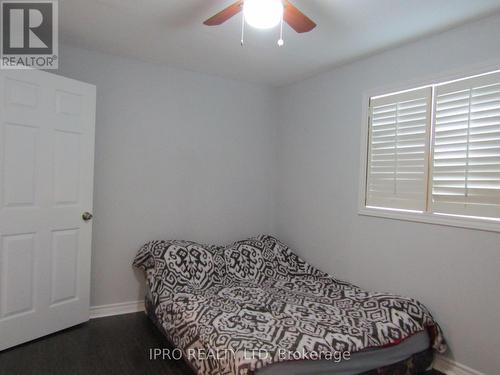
<point>466,148</point>
<point>397,157</point>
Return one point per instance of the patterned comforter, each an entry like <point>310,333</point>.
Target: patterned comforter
<point>234,309</point>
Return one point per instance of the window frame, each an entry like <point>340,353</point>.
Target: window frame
<point>470,222</point>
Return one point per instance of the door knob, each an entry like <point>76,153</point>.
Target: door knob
<point>86,216</point>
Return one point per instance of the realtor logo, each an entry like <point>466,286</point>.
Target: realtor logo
<point>29,34</point>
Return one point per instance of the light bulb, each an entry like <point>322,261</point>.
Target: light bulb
<point>263,14</point>
<point>281,42</point>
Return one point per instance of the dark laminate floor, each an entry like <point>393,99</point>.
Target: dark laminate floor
<point>117,345</point>
<point>108,346</point>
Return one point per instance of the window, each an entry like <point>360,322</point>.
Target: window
<point>397,165</point>
<point>435,151</point>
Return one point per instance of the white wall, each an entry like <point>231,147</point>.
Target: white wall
<point>178,155</point>
<point>455,272</point>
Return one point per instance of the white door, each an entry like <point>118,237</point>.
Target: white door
<point>47,125</point>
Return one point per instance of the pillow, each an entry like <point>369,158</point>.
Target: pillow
<point>246,260</point>
<point>259,258</point>
<point>172,265</point>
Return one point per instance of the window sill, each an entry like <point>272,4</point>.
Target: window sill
<point>432,218</point>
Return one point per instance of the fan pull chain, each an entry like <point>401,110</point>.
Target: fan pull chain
<point>281,42</point>
<point>242,28</point>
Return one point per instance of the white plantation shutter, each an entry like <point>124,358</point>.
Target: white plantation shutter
<point>397,154</point>
<point>466,148</point>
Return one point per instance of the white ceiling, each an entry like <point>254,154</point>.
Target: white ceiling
<point>171,32</point>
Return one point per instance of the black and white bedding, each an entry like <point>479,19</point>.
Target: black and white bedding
<point>258,301</point>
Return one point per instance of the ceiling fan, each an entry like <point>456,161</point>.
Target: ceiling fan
<point>264,14</point>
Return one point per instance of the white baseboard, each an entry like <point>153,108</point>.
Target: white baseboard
<point>451,367</point>
<point>116,309</point>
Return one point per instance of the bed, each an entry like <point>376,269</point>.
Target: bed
<point>256,307</point>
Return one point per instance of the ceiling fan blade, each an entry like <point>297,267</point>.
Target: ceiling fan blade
<point>296,19</point>
<point>225,14</point>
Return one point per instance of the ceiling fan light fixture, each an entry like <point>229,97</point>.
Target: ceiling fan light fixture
<point>263,14</point>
